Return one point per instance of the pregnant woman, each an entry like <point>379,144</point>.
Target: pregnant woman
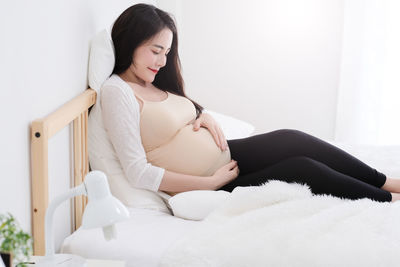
<point>165,143</point>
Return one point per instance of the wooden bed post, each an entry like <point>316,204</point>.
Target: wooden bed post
<point>81,163</point>
<point>40,196</point>
<point>41,131</point>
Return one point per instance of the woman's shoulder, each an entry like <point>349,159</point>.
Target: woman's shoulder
<point>116,85</point>
<point>116,88</point>
<point>113,81</point>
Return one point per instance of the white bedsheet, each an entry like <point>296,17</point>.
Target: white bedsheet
<point>284,224</point>
<point>148,234</point>
<point>141,240</point>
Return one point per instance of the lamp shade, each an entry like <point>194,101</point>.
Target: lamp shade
<point>102,209</point>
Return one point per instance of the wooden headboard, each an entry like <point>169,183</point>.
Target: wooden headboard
<point>42,130</point>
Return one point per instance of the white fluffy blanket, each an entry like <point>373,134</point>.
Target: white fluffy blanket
<point>282,224</point>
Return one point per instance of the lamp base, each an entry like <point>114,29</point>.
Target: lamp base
<point>61,260</point>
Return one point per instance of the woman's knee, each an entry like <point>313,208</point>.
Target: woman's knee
<point>292,132</point>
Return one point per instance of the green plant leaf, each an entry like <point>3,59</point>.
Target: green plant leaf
<point>13,239</point>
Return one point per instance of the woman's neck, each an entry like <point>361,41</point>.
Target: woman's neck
<point>129,76</point>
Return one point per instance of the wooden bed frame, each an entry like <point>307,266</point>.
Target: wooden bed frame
<point>42,130</point>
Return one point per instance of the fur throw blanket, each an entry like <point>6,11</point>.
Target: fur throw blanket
<point>284,224</point>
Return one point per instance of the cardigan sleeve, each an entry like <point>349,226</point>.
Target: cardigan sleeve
<point>121,118</point>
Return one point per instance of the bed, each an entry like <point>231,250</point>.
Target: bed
<point>276,224</point>
<point>154,238</point>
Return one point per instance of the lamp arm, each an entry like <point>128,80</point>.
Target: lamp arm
<point>76,191</point>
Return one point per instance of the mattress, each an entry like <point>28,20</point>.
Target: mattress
<point>141,240</point>
<point>144,238</point>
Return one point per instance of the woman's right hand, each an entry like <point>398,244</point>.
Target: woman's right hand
<point>225,174</point>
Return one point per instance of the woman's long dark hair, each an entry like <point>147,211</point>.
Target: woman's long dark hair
<point>138,24</point>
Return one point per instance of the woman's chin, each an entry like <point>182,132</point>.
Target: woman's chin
<point>151,80</point>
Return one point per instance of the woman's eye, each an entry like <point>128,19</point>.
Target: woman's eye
<point>156,53</point>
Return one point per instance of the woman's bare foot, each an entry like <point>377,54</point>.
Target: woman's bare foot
<point>392,185</point>
<point>395,196</point>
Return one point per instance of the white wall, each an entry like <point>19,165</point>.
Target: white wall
<point>44,56</point>
<point>272,63</point>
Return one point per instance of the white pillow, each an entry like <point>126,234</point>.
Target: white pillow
<point>197,204</point>
<point>233,128</point>
<point>101,59</point>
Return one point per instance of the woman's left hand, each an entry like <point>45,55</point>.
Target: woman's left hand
<point>207,121</point>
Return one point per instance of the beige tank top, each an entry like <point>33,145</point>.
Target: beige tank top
<point>170,142</point>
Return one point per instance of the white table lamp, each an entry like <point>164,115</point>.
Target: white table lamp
<point>102,210</point>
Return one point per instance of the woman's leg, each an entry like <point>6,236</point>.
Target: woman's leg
<point>319,177</point>
<point>260,151</point>
<point>392,185</point>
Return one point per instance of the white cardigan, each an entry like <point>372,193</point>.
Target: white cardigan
<point>115,147</point>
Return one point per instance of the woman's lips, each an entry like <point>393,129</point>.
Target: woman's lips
<point>155,71</point>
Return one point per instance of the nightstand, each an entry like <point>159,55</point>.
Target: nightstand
<point>93,263</point>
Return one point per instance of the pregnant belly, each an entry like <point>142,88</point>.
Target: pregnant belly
<point>190,152</point>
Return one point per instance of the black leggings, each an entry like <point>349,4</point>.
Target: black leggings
<point>294,156</point>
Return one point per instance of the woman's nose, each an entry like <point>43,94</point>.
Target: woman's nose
<point>162,61</point>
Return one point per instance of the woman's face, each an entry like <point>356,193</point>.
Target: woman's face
<point>151,56</point>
